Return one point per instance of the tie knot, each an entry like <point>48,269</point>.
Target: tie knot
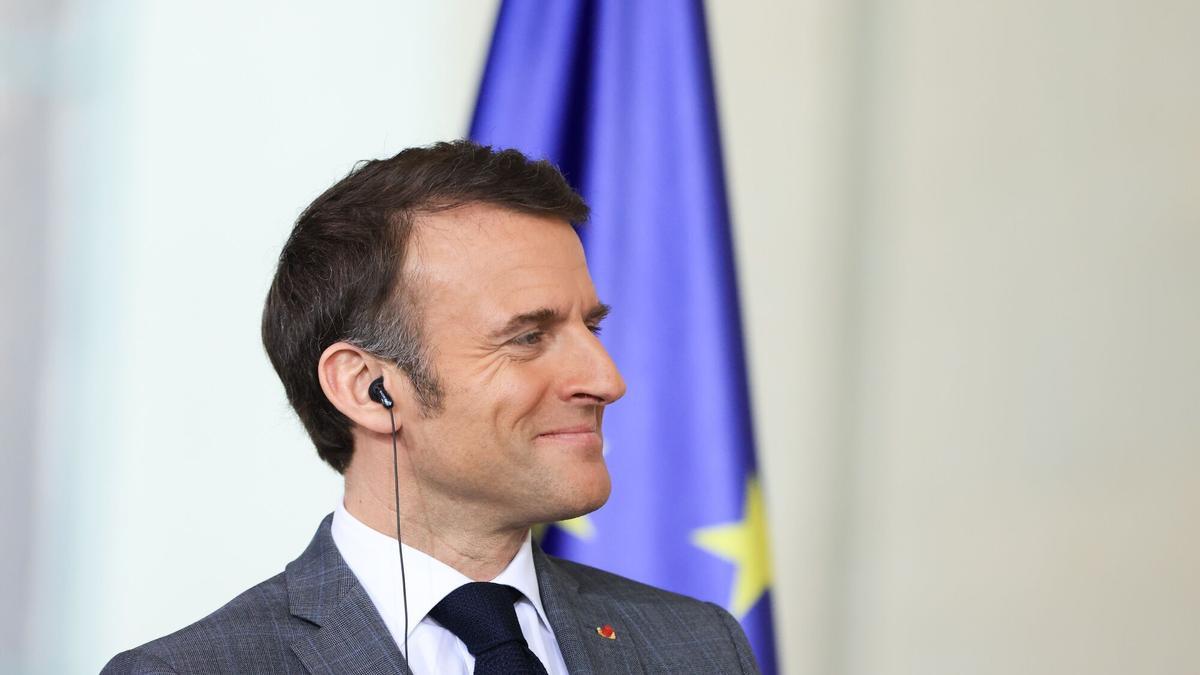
<point>481,614</point>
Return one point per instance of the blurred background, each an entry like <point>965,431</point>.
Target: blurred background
<point>968,238</point>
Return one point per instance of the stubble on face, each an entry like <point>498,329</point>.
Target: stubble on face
<point>517,440</point>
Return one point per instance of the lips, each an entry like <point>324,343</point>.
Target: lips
<point>582,435</point>
<point>577,429</point>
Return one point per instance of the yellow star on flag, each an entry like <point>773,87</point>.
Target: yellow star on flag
<point>743,543</point>
<point>580,527</point>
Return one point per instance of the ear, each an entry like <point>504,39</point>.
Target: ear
<point>345,373</point>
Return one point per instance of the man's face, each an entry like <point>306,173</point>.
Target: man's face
<point>510,315</point>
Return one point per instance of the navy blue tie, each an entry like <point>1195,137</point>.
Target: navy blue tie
<point>482,615</point>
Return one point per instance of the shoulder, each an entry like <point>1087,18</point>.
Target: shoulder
<point>253,626</point>
<point>622,589</point>
<point>679,632</point>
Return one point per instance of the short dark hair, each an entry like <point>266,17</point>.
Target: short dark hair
<point>340,273</point>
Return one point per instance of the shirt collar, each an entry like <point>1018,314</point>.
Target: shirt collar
<point>373,558</point>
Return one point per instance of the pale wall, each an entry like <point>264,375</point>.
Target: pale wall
<point>969,240</point>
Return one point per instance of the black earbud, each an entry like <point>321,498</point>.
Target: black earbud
<point>379,394</point>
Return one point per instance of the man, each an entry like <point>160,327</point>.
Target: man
<point>434,325</point>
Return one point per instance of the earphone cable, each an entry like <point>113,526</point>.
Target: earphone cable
<point>399,545</point>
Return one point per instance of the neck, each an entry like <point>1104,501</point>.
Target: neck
<point>457,535</point>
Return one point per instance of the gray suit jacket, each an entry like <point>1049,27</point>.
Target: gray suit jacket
<point>315,617</point>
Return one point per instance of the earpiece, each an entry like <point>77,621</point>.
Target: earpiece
<point>379,394</point>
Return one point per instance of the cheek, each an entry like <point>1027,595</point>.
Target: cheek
<point>515,397</point>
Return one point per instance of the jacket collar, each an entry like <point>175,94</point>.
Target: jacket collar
<point>353,640</point>
<point>576,612</point>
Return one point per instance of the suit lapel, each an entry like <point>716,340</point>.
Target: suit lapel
<point>575,614</point>
<point>352,638</point>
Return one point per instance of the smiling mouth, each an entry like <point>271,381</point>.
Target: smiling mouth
<point>585,437</point>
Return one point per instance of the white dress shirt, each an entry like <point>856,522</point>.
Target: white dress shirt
<point>373,558</point>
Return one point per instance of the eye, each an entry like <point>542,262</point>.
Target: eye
<point>530,339</point>
<point>595,328</point>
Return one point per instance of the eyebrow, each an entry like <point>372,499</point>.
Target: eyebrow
<point>546,316</point>
<point>598,313</point>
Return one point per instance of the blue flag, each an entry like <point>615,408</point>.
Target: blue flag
<point>619,95</point>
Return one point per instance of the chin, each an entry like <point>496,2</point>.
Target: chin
<point>594,495</point>
<point>581,497</point>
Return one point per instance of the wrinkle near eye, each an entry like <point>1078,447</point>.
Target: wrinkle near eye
<point>491,366</point>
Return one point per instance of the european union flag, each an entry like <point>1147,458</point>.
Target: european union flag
<point>619,95</point>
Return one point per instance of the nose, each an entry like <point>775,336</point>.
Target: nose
<point>593,377</point>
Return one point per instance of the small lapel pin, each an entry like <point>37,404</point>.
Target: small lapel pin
<point>606,631</point>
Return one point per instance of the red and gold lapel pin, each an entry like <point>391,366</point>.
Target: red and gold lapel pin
<point>606,631</point>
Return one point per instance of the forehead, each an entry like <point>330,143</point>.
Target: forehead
<point>486,258</point>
